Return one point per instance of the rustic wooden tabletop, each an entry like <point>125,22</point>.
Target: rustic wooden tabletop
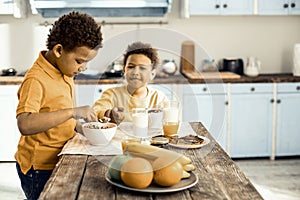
<point>83,177</point>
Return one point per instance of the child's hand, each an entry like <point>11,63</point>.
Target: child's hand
<point>116,114</point>
<point>85,112</point>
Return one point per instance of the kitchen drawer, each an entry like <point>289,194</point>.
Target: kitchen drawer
<point>205,89</point>
<point>251,88</point>
<point>288,88</point>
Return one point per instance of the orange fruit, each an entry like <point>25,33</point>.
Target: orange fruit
<point>137,173</point>
<point>115,165</point>
<point>167,172</point>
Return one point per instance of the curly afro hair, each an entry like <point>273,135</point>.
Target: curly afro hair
<point>73,30</point>
<point>142,48</point>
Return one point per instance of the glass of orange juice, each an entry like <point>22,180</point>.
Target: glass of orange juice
<point>171,118</point>
<point>170,127</point>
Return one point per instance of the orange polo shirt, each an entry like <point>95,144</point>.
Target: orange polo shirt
<point>44,89</point>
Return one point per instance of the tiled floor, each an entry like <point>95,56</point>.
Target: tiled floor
<point>10,188</point>
<point>275,180</point>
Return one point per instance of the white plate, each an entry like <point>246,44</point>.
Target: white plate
<point>127,128</point>
<point>192,146</point>
<point>182,185</point>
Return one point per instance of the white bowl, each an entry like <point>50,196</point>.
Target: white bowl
<point>97,134</point>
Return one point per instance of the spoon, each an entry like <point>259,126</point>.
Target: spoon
<point>104,120</point>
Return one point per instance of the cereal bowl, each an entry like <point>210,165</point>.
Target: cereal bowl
<point>99,133</point>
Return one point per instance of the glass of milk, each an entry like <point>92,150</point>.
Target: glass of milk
<point>140,122</point>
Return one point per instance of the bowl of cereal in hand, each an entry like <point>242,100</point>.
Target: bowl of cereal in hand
<point>99,133</point>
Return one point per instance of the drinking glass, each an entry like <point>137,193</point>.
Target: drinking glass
<point>171,118</point>
<point>140,123</point>
<point>155,120</point>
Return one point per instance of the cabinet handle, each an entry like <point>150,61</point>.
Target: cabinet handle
<point>100,90</point>
<point>298,88</point>
<point>278,101</point>
<point>217,6</point>
<point>293,5</point>
<point>225,6</point>
<point>285,5</point>
<point>204,89</point>
<point>272,101</point>
<point>226,103</point>
<point>252,89</point>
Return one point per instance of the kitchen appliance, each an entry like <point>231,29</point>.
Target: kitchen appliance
<point>253,67</point>
<point>9,72</point>
<point>235,65</point>
<point>209,65</point>
<point>102,8</point>
<point>169,67</point>
<point>187,62</point>
<point>115,70</point>
<point>296,60</point>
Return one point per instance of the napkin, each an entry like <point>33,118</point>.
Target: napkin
<point>79,144</point>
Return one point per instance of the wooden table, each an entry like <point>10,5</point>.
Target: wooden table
<point>83,177</point>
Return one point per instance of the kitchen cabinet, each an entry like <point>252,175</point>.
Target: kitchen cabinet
<point>279,7</point>
<point>168,89</point>
<point>207,103</point>
<point>251,111</point>
<point>221,7</point>
<point>8,123</point>
<point>6,7</point>
<point>88,94</point>
<point>288,115</point>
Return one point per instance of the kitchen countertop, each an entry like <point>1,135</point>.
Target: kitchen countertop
<point>176,79</point>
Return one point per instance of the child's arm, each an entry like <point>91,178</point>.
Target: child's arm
<point>32,123</point>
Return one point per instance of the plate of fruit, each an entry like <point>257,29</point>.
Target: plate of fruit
<point>146,168</point>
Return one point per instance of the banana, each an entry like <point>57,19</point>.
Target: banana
<point>189,167</point>
<point>185,174</point>
<point>153,151</point>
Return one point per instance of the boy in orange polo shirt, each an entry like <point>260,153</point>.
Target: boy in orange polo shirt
<point>46,114</point>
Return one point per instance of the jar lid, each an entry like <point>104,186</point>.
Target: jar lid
<point>159,140</point>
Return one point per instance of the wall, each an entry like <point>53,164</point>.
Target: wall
<point>269,38</point>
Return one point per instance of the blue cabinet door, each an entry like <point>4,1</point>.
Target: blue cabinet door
<point>294,7</point>
<point>279,7</point>
<point>204,7</point>
<point>207,104</point>
<point>288,115</point>
<point>221,7</point>
<point>89,94</point>
<point>237,7</point>
<point>273,7</point>
<point>167,89</point>
<point>251,120</point>
<point>9,134</point>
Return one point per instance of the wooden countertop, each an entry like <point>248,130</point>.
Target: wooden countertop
<point>176,79</point>
<point>83,177</point>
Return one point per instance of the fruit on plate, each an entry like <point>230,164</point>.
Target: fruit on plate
<point>151,153</point>
<point>137,173</point>
<point>114,167</point>
<point>155,152</point>
<point>167,172</point>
